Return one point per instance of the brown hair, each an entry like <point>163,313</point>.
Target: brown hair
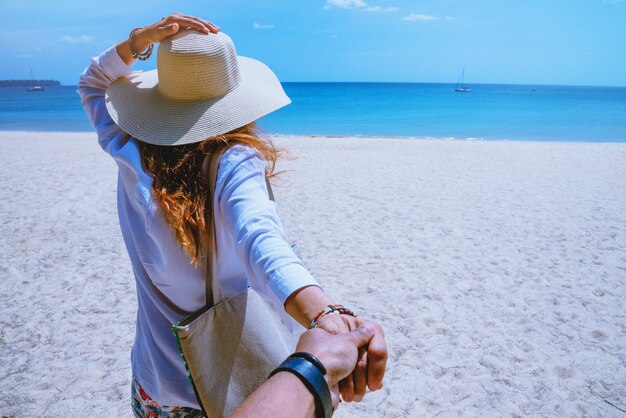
<point>180,187</point>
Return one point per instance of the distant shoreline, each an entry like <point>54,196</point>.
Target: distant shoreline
<point>3,83</point>
<point>10,134</point>
<point>28,83</point>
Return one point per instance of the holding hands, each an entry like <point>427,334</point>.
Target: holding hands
<point>368,368</point>
<point>339,355</point>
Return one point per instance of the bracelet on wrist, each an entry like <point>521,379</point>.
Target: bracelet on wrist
<point>307,368</point>
<point>142,56</point>
<point>330,309</point>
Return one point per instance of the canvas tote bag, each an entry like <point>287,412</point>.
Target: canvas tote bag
<point>231,345</point>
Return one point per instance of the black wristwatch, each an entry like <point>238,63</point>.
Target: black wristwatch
<point>311,372</point>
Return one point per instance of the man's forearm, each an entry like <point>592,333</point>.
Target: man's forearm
<point>282,396</point>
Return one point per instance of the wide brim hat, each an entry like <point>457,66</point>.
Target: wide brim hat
<point>200,89</point>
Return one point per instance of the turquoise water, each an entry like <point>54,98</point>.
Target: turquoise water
<point>517,112</point>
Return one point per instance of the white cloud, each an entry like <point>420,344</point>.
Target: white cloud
<point>419,17</point>
<point>256,25</point>
<point>74,40</point>
<point>28,54</point>
<point>450,18</point>
<point>345,4</point>
<point>357,4</point>
<point>381,9</point>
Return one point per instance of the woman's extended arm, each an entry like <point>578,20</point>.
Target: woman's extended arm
<point>271,264</point>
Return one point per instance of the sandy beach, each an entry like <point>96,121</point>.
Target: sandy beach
<point>497,269</point>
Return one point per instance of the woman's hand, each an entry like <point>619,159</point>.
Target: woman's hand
<point>168,26</point>
<point>161,30</point>
<point>372,360</point>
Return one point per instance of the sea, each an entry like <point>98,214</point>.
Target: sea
<point>413,110</point>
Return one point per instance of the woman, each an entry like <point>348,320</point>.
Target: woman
<point>159,128</point>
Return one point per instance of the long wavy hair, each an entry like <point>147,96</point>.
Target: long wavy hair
<point>181,187</point>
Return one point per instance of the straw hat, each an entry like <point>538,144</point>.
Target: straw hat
<point>201,88</point>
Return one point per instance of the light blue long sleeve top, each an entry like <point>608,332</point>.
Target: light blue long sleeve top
<point>252,252</point>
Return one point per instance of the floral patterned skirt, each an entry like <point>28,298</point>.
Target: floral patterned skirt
<point>145,407</point>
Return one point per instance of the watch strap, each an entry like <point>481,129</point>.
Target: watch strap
<point>313,379</point>
<point>316,362</point>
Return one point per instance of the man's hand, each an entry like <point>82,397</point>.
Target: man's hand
<point>338,353</point>
<point>372,361</point>
<point>284,395</point>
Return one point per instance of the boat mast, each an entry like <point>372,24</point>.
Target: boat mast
<point>460,85</point>
<point>461,82</point>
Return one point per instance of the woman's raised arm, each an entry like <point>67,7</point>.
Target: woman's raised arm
<point>115,63</point>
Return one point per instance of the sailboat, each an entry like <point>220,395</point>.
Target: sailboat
<point>33,87</point>
<point>460,85</point>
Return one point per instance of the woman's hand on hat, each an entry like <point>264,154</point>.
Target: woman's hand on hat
<point>170,25</point>
<point>142,39</point>
<point>372,360</point>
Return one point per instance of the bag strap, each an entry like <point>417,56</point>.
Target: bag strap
<point>212,287</point>
<point>213,291</point>
<point>270,192</point>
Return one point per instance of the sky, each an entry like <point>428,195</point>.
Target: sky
<point>568,42</point>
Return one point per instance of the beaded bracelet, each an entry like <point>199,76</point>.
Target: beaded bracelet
<point>143,56</point>
<point>330,309</point>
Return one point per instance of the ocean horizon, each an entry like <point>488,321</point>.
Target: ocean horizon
<point>413,110</point>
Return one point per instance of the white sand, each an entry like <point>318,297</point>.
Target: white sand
<point>498,270</point>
